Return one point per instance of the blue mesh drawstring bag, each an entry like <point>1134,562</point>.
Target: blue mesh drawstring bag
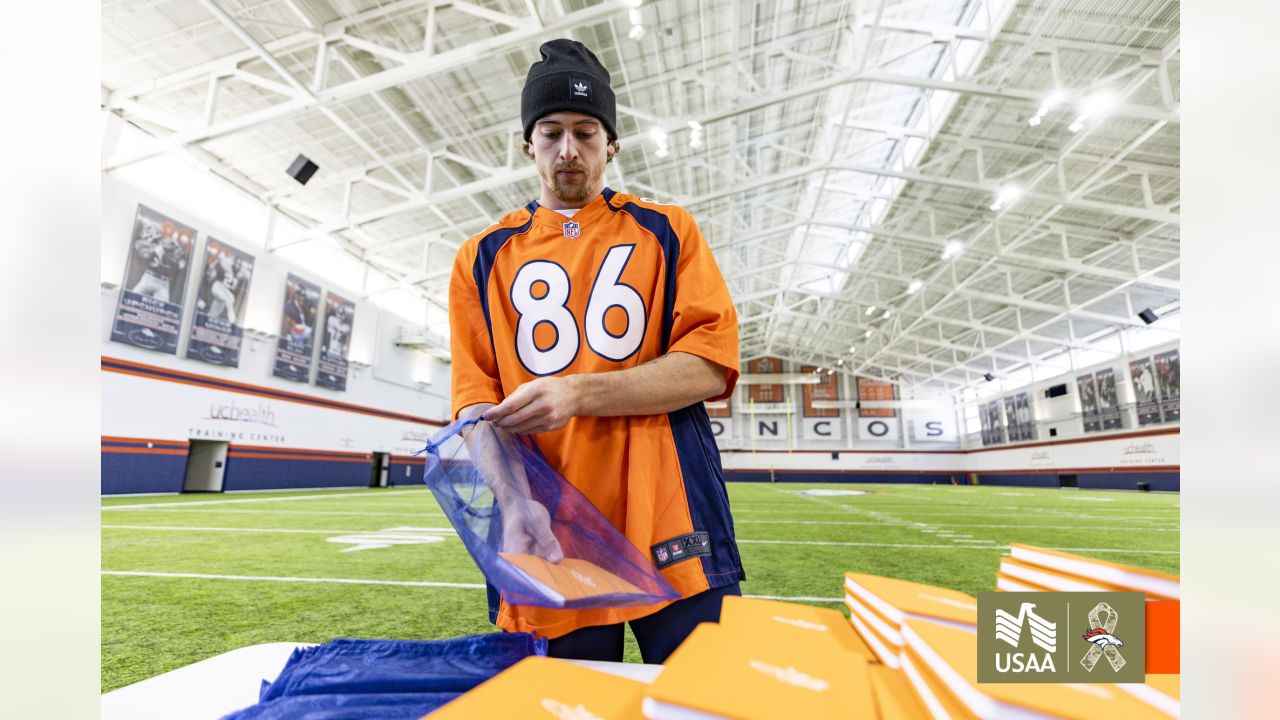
<point>536,538</point>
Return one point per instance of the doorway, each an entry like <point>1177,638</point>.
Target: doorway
<point>380,470</point>
<point>206,464</point>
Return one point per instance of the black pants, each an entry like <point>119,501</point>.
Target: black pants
<point>657,634</point>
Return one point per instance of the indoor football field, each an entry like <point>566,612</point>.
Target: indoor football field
<point>191,576</point>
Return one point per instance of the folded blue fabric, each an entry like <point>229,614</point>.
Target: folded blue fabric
<point>372,706</point>
<point>385,678</point>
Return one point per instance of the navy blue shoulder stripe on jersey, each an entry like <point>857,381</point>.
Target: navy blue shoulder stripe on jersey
<point>486,252</point>
<point>658,224</point>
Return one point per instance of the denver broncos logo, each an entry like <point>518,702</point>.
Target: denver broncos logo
<point>1102,638</point>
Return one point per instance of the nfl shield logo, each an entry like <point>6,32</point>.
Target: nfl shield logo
<point>571,229</point>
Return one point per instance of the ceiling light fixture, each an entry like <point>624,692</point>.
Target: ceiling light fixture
<point>887,314</point>
<point>1055,99</point>
<point>866,334</point>
<point>870,309</point>
<point>1095,107</point>
<point>1006,196</point>
<point>914,287</point>
<point>952,249</point>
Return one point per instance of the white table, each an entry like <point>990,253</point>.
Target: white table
<point>211,688</point>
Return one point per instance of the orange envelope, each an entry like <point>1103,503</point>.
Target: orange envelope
<point>720,672</point>
<point>896,600</point>
<point>767,618</point>
<point>874,632</point>
<point>896,699</point>
<point>570,579</point>
<point>545,687</point>
<point>1162,692</point>
<point>1123,577</point>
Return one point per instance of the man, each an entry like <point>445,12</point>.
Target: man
<point>597,323</point>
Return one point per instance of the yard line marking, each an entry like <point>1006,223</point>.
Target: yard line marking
<point>361,513</point>
<point>267,578</point>
<point>291,498</point>
<point>403,583</point>
<point>263,530</point>
<point>949,547</point>
<point>802,598</point>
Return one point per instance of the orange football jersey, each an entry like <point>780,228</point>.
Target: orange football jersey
<point>624,281</point>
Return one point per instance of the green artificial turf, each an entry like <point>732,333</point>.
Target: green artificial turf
<point>792,545</point>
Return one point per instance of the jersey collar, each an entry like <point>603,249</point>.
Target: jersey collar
<point>593,211</point>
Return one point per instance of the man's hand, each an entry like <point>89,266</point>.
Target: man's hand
<point>537,406</point>
<point>526,529</point>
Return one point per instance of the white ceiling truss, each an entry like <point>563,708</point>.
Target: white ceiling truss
<point>845,146</point>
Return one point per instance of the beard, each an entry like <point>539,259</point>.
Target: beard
<point>578,190</point>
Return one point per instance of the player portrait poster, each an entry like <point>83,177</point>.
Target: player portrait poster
<point>1169,380</point>
<point>1144,390</point>
<point>1022,411</point>
<point>1010,415</point>
<point>331,368</point>
<point>766,393</point>
<point>149,314</point>
<point>1108,403</point>
<point>875,391</point>
<point>1088,403</point>
<point>827,388</point>
<point>993,419</point>
<point>218,327</point>
<point>297,330</point>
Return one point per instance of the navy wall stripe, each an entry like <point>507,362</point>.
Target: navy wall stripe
<point>142,473</point>
<point>705,493</point>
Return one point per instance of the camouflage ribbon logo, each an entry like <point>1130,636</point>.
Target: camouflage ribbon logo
<point>1102,636</point>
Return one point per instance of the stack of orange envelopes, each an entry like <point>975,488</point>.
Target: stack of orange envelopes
<point>878,607</point>
<point>942,664</point>
<point>1030,568</point>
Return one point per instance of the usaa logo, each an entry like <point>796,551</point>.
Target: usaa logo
<point>1043,633</point>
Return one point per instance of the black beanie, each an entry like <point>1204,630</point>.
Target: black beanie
<point>568,78</point>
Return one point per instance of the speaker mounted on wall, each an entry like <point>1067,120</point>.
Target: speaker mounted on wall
<point>1148,316</point>
<point>302,169</point>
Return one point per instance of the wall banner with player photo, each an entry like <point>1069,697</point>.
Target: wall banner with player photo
<point>331,368</point>
<point>1143,377</point>
<point>1169,380</point>
<point>1022,416</point>
<point>1010,413</point>
<point>149,314</point>
<point>872,391</point>
<point>1108,402</point>
<point>1088,403</point>
<point>297,330</point>
<point>827,388</point>
<point>217,330</point>
<point>993,421</point>
<point>985,421</point>
<point>766,393</point>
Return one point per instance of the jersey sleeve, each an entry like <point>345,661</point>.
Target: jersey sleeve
<point>475,369</point>
<point>704,321</point>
